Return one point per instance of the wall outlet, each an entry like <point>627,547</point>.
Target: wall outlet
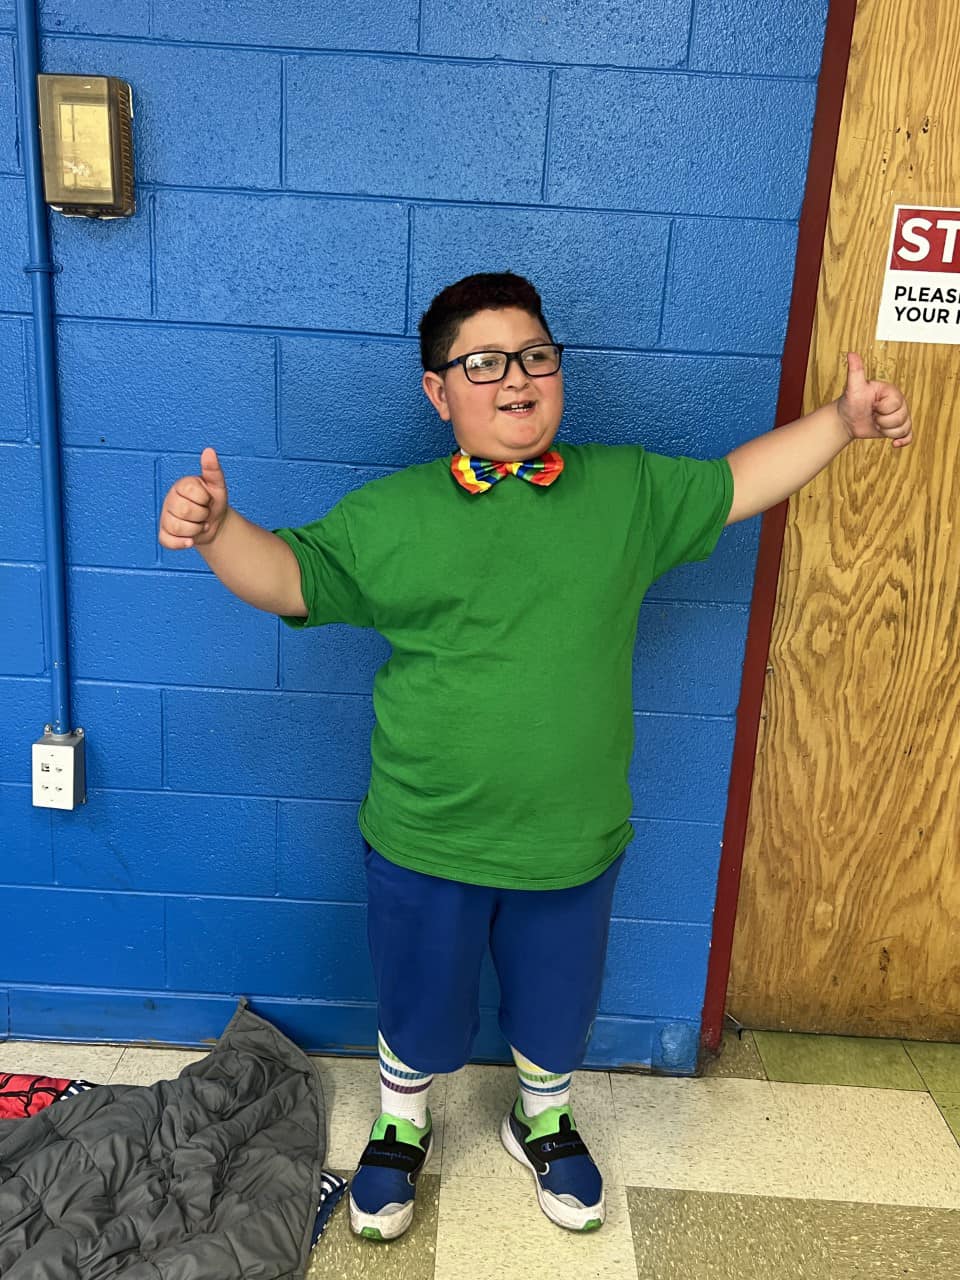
<point>59,772</point>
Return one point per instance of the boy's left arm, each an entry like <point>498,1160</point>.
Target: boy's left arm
<point>769,468</point>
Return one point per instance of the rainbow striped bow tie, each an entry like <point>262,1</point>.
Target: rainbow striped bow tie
<point>477,475</point>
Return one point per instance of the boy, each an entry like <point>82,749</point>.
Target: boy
<point>508,581</point>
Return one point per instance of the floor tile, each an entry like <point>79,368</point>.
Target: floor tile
<point>681,1234</point>
<point>340,1255</point>
<point>351,1090</point>
<point>93,1062</point>
<point>738,1058</point>
<point>147,1066</point>
<point>807,1059</point>
<point>478,1097</point>
<point>752,1137</point>
<point>938,1064</point>
<point>873,1145</point>
<point>494,1228</point>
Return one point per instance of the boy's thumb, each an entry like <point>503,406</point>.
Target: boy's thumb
<point>210,470</point>
<point>856,378</point>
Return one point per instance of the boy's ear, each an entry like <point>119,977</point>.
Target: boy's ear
<point>436,392</point>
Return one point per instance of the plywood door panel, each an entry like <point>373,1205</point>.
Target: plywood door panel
<point>849,910</point>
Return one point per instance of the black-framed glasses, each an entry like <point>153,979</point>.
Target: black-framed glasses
<point>539,361</point>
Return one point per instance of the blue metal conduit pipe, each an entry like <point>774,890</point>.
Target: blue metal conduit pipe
<point>40,269</point>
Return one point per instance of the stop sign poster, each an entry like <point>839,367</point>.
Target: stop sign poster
<point>921,288</point>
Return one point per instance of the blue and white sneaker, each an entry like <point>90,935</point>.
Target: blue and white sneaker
<point>382,1190</point>
<point>569,1185</point>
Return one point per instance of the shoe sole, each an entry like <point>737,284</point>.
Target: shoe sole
<point>564,1215</point>
<point>386,1226</point>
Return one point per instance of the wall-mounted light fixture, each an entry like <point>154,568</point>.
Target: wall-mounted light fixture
<point>86,136</point>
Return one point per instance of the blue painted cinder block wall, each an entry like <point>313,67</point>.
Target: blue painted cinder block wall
<point>308,176</point>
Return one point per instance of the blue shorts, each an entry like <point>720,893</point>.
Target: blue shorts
<point>428,937</point>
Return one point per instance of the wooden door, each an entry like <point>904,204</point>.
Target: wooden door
<point>849,909</point>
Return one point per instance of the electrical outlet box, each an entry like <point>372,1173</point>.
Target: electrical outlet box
<point>59,770</point>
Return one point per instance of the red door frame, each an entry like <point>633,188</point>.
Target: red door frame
<point>813,225</point>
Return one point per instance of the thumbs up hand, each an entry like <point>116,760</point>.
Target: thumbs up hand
<point>195,506</point>
<point>873,410</point>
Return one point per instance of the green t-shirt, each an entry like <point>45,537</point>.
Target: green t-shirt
<point>504,719</point>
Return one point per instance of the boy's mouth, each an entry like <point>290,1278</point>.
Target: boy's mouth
<point>518,408</point>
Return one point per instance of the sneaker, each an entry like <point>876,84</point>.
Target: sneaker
<point>382,1190</point>
<point>569,1185</point>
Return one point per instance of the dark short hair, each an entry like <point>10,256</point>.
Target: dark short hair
<point>486,291</point>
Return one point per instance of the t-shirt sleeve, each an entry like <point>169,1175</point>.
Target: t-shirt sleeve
<point>688,501</point>
<point>328,572</point>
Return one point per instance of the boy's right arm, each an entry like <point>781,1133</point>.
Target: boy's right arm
<point>249,560</point>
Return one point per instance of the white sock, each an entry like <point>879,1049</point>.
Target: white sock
<point>403,1091</point>
<point>540,1089</point>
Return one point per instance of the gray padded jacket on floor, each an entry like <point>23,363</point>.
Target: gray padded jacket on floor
<point>212,1176</point>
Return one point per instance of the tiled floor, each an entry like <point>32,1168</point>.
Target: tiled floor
<point>812,1157</point>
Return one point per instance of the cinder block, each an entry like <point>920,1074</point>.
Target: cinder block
<point>681,767</point>
<point>280,948</point>
<point>27,847</point>
<point>104,266</point>
<point>600,275</point>
<point>14,249</point>
<point>729,286</point>
<point>98,17</point>
<point>332,659</point>
<point>274,494</point>
<point>193,632</point>
<point>281,260</point>
<point>670,872</point>
<point>135,386</point>
<point>645,33</point>
<point>403,127</point>
<point>689,657</point>
<point>764,37</point>
<point>727,577</point>
<point>292,746</point>
<point>381,419</point>
<point>25,709</point>
<point>124,532</point>
<point>21,646</point>
<point>321,851</point>
<point>679,143</point>
<point>9,160</point>
<point>655,968</point>
<point>122,725</point>
<point>21,522</point>
<point>13,390</point>
<point>390,25</point>
<point>201,117</point>
<point>164,843</point>
<point>702,406</point>
<point>86,939</point>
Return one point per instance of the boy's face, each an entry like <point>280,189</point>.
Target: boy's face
<point>509,420</point>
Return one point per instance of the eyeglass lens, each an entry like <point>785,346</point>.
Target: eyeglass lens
<point>490,366</point>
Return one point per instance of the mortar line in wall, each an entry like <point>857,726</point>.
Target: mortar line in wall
<point>413,55</point>
<point>690,32</point>
<point>167,896</point>
<point>166,958</point>
<point>419,25</point>
<point>283,122</point>
<point>406,301</point>
<point>666,281</point>
<point>276,850</point>
<point>157,553</point>
<point>152,226</point>
<point>548,135</point>
<point>164,785</point>
<point>277,393</point>
<point>490,206</point>
<point>398,338</point>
